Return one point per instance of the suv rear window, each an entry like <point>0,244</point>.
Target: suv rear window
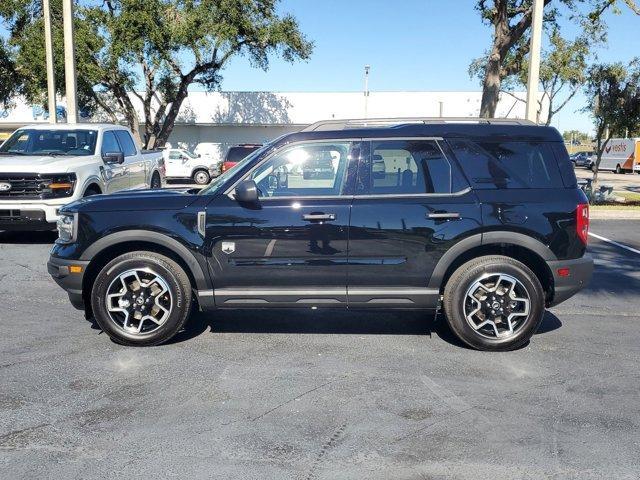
<point>507,165</point>
<point>235,154</point>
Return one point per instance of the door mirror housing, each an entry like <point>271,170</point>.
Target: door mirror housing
<point>112,158</point>
<point>247,192</point>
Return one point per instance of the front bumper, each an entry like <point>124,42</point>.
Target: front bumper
<point>580,271</point>
<point>30,215</point>
<point>61,272</point>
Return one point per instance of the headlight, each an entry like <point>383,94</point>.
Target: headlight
<point>66,228</point>
<point>57,185</point>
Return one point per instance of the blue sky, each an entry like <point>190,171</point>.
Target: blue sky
<point>410,45</point>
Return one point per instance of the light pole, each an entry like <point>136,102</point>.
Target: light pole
<point>534,61</point>
<point>366,90</point>
<point>69,62</point>
<point>51,75</point>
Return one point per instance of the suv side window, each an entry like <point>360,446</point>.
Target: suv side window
<point>313,169</point>
<point>109,143</point>
<point>507,165</point>
<point>400,167</point>
<point>126,142</point>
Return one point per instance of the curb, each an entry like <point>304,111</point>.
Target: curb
<point>614,214</point>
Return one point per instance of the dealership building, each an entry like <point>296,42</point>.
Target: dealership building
<point>230,118</point>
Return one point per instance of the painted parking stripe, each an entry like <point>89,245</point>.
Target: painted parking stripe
<point>612,242</point>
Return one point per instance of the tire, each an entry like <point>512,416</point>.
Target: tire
<point>201,177</point>
<point>619,170</point>
<point>156,183</point>
<point>91,191</point>
<point>526,321</point>
<point>172,293</point>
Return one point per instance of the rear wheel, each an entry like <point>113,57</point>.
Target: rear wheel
<point>494,303</point>
<point>141,298</point>
<point>201,177</point>
<point>619,170</point>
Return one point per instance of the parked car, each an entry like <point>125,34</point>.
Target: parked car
<point>181,163</point>
<point>43,167</point>
<point>486,221</point>
<point>582,159</point>
<point>237,153</point>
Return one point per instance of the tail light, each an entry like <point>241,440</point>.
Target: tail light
<point>582,222</point>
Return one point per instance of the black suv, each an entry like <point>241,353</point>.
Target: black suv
<point>484,219</point>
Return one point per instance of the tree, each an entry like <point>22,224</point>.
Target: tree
<point>153,51</point>
<point>9,82</point>
<point>511,22</point>
<point>613,100</point>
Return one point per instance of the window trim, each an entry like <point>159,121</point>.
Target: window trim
<point>135,147</point>
<point>437,140</point>
<point>229,192</point>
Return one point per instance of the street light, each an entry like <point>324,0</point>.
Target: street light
<point>534,61</point>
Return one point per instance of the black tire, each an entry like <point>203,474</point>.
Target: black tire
<point>91,191</point>
<point>201,177</point>
<point>455,296</point>
<point>619,170</point>
<point>156,183</point>
<point>178,285</point>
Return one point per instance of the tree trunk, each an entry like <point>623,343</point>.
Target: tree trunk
<point>170,119</point>
<point>491,85</point>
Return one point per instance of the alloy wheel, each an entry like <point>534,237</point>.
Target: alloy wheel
<point>139,301</point>
<point>497,305</point>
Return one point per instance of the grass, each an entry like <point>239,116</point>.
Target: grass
<point>618,206</point>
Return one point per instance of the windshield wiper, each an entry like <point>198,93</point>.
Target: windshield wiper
<point>51,154</point>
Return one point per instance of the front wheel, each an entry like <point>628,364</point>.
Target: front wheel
<point>494,303</point>
<point>141,298</point>
<point>619,170</point>
<point>156,183</point>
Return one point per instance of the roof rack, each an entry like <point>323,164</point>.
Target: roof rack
<point>388,122</point>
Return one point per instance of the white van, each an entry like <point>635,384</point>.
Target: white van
<point>210,151</point>
<point>621,155</point>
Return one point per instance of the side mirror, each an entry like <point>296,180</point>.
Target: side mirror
<point>247,192</point>
<point>113,158</point>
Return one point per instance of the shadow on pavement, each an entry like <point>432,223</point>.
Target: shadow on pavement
<point>33,238</point>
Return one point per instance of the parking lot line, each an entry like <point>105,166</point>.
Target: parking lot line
<point>612,242</point>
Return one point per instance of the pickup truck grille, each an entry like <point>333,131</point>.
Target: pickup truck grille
<point>23,185</point>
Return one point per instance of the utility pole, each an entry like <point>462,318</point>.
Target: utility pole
<point>69,62</point>
<point>366,90</point>
<point>534,61</point>
<point>51,75</point>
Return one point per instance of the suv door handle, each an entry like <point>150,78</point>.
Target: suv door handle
<point>443,215</point>
<point>319,217</point>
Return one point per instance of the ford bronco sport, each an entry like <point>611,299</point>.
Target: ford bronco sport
<point>484,219</point>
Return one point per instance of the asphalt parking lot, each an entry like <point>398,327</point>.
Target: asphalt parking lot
<point>289,395</point>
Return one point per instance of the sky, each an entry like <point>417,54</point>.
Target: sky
<point>411,45</point>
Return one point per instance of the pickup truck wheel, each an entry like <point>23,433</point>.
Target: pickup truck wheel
<point>155,181</point>
<point>91,191</point>
<point>201,177</point>
<point>494,303</point>
<point>141,298</point>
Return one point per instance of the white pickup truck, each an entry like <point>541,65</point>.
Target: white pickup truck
<point>181,163</point>
<point>43,167</point>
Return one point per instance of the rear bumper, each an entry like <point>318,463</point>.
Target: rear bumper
<point>580,271</point>
<point>59,269</point>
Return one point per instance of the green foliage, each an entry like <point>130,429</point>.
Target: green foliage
<point>582,137</point>
<point>151,49</point>
<point>9,81</point>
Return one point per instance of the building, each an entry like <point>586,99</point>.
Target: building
<point>254,117</point>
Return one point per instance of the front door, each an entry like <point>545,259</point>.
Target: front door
<point>291,248</point>
<point>410,206</point>
<point>116,176</point>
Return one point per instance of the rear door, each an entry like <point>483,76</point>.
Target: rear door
<point>291,248</point>
<point>411,205</point>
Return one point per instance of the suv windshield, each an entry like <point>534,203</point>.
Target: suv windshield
<point>219,181</point>
<point>50,142</point>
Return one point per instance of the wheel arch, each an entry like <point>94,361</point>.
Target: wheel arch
<point>109,247</point>
<point>531,252</point>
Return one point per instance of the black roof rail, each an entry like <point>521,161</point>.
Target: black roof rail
<point>389,122</point>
